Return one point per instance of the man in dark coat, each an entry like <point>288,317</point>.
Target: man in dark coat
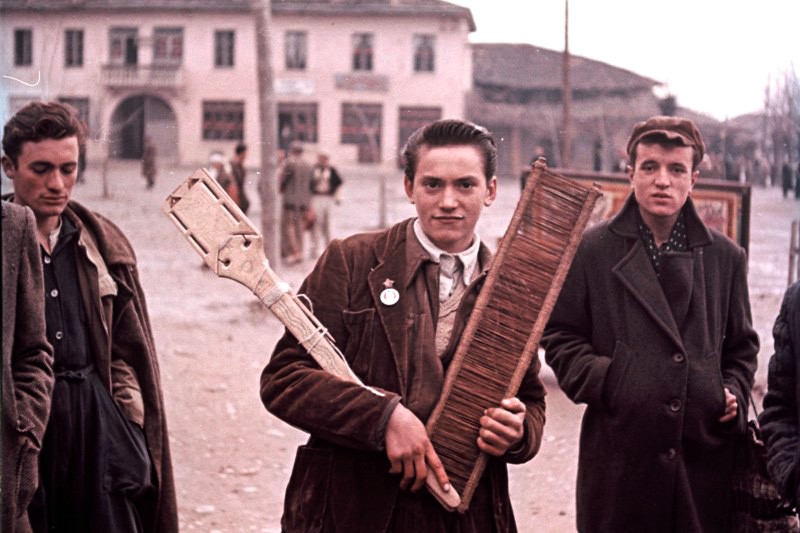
<point>239,175</point>
<point>396,302</point>
<point>652,330</point>
<point>105,462</point>
<point>27,366</point>
<point>779,419</point>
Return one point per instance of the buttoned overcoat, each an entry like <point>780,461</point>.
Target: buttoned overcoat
<point>651,359</point>
<point>340,480</point>
<point>27,365</point>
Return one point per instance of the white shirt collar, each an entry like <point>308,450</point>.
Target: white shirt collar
<point>468,258</point>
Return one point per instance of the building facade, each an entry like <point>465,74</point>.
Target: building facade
<point>351,77</point>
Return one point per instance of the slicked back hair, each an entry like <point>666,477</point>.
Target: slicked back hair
<point>451,132</point>
<point>38,121</point>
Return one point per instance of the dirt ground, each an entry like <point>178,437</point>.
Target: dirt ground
<point>232,459</point>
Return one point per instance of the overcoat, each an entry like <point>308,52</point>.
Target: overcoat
<point>121,337</point>
<point>27,365</point>
<point>780,419</point>
<point>340,480</point>
<point>650,359</point>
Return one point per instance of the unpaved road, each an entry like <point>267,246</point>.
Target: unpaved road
<point>232,459</point>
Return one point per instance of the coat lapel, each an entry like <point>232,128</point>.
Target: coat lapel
<point>637,275</point>
<point>391,266</point>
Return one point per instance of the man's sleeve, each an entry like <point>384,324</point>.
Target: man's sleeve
<point>32,355</point>
<point>778,420</point>
<point>580,371</point>
<point>294,387</point>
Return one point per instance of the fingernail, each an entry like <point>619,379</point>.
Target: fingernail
<point>446,487</point>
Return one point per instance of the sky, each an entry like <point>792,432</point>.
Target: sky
<point>716,56</point>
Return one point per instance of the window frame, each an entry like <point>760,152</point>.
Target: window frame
<point>225,48</point>
<point>363,52</point>
<point>219,120</point>
<point>173,44</point>
<point>421,63</point>
<point>23,47</point>
<point>295,46</point>
<point>73,48</point>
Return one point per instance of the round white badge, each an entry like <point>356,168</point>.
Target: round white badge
<point>389,296</point>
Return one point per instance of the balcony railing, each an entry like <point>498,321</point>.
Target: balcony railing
<point>126,76</point>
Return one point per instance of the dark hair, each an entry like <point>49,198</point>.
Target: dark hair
<point>241,147</point>
<point>450,132</point>
<point>38,121</point>
<point>661,139</point>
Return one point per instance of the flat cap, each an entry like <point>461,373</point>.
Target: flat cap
<point>296,146</point>
<point>674,128</point>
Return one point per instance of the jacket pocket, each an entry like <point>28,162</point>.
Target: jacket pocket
<point>358,346</point>
<point>27,475</point>
<point>306,494</point>
<point>616,376</point>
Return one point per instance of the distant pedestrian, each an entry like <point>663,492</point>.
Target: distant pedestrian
<point>786,178</point>
<point>27,370</point>
<point>218,169</point>
<point>295,186</point>
<point>149,168</point>
<point>238,173</point>
<point>779,419</point>
<point>325,184</point>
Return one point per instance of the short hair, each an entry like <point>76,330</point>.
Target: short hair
<point>37,121</point>
<point>662,140</point>
<point>240,147</point>
<point>451,132</point>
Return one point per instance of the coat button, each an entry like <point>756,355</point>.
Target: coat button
<point>675,405</point>
<point>54,293</point>
<point>47,260</point>
<point>59,335</point>
<point>671,453</point>
<point>678,357</point>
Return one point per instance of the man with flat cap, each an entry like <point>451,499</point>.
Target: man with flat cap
<point>652,331</point>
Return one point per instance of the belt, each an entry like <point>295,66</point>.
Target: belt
<point>77,374</point>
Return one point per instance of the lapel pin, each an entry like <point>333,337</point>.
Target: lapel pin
<point>389,295</point>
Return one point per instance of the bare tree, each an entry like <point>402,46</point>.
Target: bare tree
<point>781,128</point>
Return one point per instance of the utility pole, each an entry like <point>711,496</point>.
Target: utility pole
<point>566,90</point>
<point>267,183</point>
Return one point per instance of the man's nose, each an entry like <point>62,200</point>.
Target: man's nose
<point>56,179</point>
<point>662,178</point>
<point>448,199</point>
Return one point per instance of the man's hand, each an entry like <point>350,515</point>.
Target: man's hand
<point>410,451</point>
<point>502,427</point>
<point>731,407</point>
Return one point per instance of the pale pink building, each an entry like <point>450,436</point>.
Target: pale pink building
<point>351,77</point>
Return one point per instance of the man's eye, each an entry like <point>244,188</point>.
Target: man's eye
<point>68,169</point>
<point>40,169</point>
<point>432,184</point>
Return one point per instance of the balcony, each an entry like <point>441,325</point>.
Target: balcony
<point>134,76</point>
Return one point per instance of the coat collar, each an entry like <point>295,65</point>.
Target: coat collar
<point>624,223</point>
<point>636,272</point>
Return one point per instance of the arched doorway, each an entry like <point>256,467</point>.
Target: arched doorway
<point>140,116</point>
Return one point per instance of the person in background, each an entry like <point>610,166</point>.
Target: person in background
<point>149,167</point>
<point>780,428</point>
<point>325,183</point>
<point>238,173</point>
<point>27,370</point>
<point>295,187</point>
<point>218,169</point>
<point>105,461</point>
<point>652,330</point>
<point>396,302</point>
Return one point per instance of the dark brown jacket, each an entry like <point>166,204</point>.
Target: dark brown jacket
<point>121,338</point>
<point>340,480</point>
<point>651,364</point>
<point>780,419</point>
<point>27,365</point>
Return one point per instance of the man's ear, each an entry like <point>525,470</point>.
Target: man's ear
<point>8,167</point>
<point>409,187</point>
<point>491,192</point>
